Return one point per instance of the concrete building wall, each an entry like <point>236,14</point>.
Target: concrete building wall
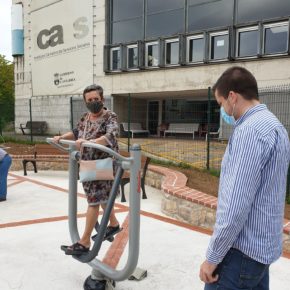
<point>268,72</point>
<point>56,109</point>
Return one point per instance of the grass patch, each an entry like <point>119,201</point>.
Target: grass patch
<point>170,163</point>
<point>213,172</point>
<point>182,165</point>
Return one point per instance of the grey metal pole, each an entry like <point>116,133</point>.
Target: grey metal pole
<point>134,222</point>
<point>71,113</point>
<point>208,128</point>
<point>73,189</point>
<point>105,219</point>
<point>133,163</point>
<point>129,121</point>
<point>30,116</point>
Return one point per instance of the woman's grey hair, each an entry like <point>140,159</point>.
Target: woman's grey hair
<point>92,88</point>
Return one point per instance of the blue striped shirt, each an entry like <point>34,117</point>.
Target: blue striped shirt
<point>252,188</point>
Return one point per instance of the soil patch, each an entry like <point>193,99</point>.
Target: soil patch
<point>207,183</point>
<point>18,149</point>
<point>197,179</point>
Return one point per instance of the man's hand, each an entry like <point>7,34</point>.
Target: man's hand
<point>206,272</point>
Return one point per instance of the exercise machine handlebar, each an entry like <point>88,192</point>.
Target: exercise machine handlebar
<point>134,164</point>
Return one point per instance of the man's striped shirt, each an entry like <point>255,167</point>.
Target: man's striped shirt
<point>252,188</point>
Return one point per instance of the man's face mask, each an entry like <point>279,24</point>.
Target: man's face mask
<point>227,118</point>
<point>95,106</point>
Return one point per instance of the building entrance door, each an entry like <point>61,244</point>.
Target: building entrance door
<point>153,115</point>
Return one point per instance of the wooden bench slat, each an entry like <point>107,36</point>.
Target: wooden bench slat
<point>184,128</point>
<point>135,128</point>
<point>36,127</point>
<point>46,153</point>
<point>126,176</point>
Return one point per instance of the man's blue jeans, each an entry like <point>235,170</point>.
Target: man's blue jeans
<point>4,168</point>
<point>238,271</point>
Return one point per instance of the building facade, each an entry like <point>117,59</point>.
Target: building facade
<point>156,57</point>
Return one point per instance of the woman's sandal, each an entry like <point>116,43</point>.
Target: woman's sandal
<point>110,232</point>
<point>75,249</point>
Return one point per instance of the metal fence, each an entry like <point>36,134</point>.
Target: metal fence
<point>178,130</point>
<point>199,137</point>
<point>204,148</point>
<point>277,100</point>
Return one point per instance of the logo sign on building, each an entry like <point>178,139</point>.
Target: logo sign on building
<point>62,46</point>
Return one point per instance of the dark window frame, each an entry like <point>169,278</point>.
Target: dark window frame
<point>183,59</point>
<point>266,25</point>
<point>111,49</point>
<point>215,33</point>
<point>135,45</point>
<point>201,35</point>
<point>148,43</point>
<point>237,42</point>
<point>172,40</point>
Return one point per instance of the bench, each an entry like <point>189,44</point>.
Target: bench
<point>135,128</point>
<point>126,176</point>
<point>214,130</point>
<point>213,134</point>
<point>46,153</point>
<point>35,127</point>
<point>184,128</point>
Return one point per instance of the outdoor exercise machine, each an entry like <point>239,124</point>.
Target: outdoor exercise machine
<point>102,275</point>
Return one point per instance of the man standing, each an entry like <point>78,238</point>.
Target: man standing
<point>247,235</point>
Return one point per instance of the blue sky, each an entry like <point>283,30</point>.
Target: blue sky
<point>5,28</point>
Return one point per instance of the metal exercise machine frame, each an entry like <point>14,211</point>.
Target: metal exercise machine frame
<point>132,163</point>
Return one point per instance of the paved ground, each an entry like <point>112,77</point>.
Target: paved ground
<point>33,224</point>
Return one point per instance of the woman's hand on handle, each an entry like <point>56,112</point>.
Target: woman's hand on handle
<point>56,139</point>
<point>79,143</point>
<point>67,136</point>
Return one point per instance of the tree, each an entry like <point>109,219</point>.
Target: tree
<point>7,98</point>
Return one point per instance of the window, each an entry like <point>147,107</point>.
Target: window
<point>154,6</point>
<point>132,56</point>
<point>115,59</point>
<point>165,23</point>
<point>209,14</point>
<point>126,21</point>
<point>128,30</point>
<point>249,10</point>
<point>276,38</point>
<point>164,18</point>
<point>195,48</point>
<point>120,9</point>
<point>219,45</point>
<point>247,42</point>
<point>171,52</point>
<point>152,54</point>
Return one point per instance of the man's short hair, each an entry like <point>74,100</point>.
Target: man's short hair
<point>92,88</point>
<point>238,80</point>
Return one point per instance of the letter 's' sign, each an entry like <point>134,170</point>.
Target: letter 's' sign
<point>55,35</point>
